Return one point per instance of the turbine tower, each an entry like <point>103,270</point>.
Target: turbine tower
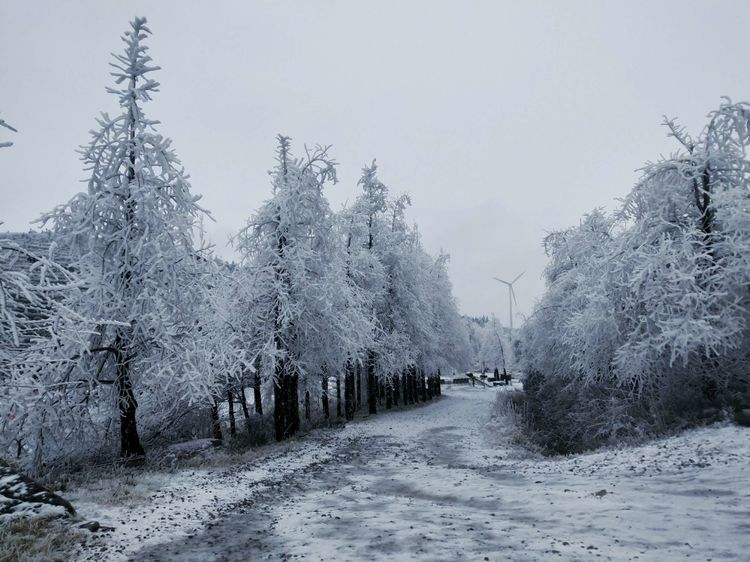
<point>511,298</point>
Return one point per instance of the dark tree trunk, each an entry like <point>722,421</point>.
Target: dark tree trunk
<point>359,385</point>
<point>324,395</point>
<point>338,396</point>
<point>286,402</point>
<point>422,385</point>
<point>280,402</point>
<point>307,405</point>
<point>388,395</point>
<point>405,386</point>
<point>130,443</point>
<point>294,404</point>
<point>215,422</point>
<point>257,396</point>
<point>428,386</point>
<point>372,385</point>
<point>439,383</point>
<point>232,424</point>
<point>243,402</point>
<point>396,386</point>
<point>349,390</point>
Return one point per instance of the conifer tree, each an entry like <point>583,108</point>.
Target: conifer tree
<point>131,238</point>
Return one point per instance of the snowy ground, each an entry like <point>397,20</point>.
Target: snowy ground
<point>443,482</point>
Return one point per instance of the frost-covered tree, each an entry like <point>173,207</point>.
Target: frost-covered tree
<point>493,346</point>
<point>221,342</point>
<point>131,239</point>
<point>310,316</point>
<point>685,256</point>
<point>418,329</point>
<point>445,344</point>
<point>34,322</point>
<point>646,311</point>
<point>366,239</point>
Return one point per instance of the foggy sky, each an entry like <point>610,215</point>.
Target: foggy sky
<point>503,120</point>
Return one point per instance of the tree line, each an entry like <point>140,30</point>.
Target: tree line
<point>644,324</point>
<point>129,326</point>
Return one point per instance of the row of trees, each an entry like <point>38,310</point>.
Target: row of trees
<point>144,330</point>
<point>644,324</point>
<point>489,342</point>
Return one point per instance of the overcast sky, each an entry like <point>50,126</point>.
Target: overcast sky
<point>503,120</point>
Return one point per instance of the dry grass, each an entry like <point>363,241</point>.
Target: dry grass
<point>39,539</point>
<point>508,424</point>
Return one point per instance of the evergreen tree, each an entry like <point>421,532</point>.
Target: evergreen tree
<point>131,236</point>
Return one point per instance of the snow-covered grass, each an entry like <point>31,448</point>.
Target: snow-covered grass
<point>442,481</point>
<point>32,539</point>
<point>146,506</point>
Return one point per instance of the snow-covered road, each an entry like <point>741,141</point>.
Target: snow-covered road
<point>443,482</point>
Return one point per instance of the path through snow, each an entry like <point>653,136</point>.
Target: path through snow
<point>442,482</point>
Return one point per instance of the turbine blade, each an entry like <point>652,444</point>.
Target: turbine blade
<point>517,278</point>
<point>7,126</point>
<point>501,281</point>
<point>513,294</point>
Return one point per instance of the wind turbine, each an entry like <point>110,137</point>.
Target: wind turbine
<point>511,298</point>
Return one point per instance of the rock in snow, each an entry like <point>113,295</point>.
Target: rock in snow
<point>20,494</point>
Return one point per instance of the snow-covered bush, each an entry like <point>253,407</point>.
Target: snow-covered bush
<point>644,324</point>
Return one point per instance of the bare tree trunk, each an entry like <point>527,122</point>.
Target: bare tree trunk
<point>396,386</point>
<point>415,385</point>
<point>324,394</point>
<point>243,403</point>
<point>359,385</point>
<point>349,390</point>
<point>439,383</point>
<point>422,385</point>
<point>388,395</point>
<point>280,392</point>
<point>232,424</point>
<point>307,405</point>
<point>372,384</point>
<point>215,422</point>
<point>294,404</point>
<point>257,396</point>
<point>130,443</point>
<point>338,396</point>
<point>286,402</point>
